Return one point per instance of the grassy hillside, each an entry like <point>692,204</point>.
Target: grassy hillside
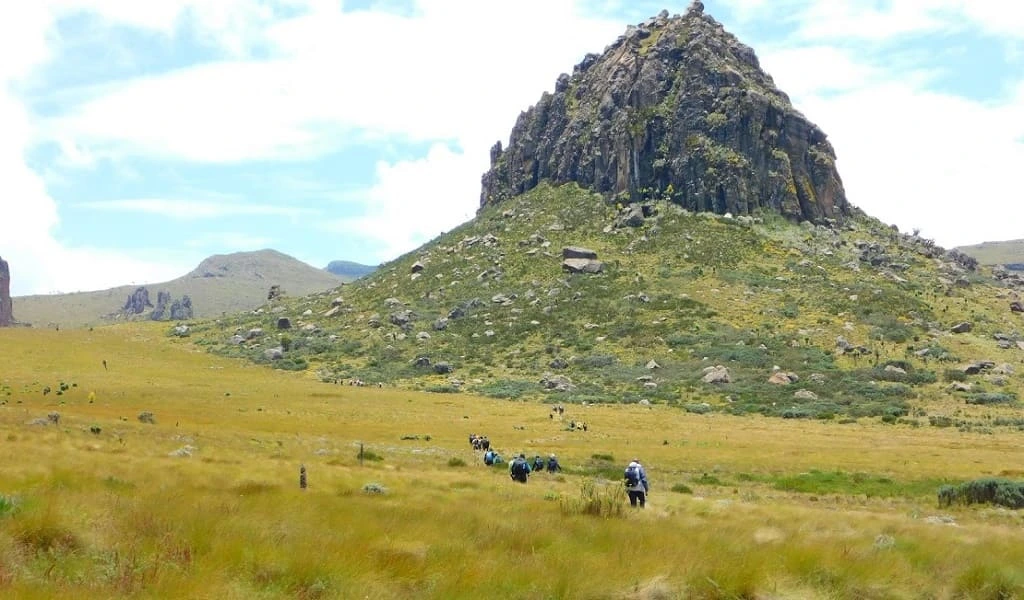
<point>997,253</point>
<point>102,504</point>
<point>687,291</point>
<point>221,284</point>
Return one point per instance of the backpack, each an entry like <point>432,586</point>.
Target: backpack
<point>519,467</point>
<point>632,476</point>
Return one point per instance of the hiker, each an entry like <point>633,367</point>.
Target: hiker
<point>520,469</point>
<point>636,483</point>
<point>538,463</point>
<point>553,465</point>
<point>489,457</point>
<point>485,443</point>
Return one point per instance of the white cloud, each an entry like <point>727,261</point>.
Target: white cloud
<point>414,201</point>
<point>194,209</point>
<point>915,157</point>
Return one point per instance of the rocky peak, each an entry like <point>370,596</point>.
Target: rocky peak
<point>6,305</point>
<point>676,109</point>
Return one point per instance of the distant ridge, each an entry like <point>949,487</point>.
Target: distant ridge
<point>220,284</point>
<point>348,269</point>
<point>1009,253</point>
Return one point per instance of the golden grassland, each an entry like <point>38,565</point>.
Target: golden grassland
<point>112,514</point>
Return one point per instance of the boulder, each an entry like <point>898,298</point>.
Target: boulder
<point>559,363</point>
<point>782,378</point>
<point>416,267</point>
<point>274,353</point>
<point>578,252</point>
<point>652,364</point>
<point>805,395</point>
<point>284,323</point>
<point>717,375</point>
<point>582,265</point>
<point>421,362</point>
<point>255,332</point>
<point>442,368</point>
<point>964,327</point>
<point>1017,307</point>
<point>557,383</point>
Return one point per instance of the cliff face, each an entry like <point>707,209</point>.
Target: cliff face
<point>679,109</point>
<point>6,306</point>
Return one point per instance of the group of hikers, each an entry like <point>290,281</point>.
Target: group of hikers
<point>634,476</point>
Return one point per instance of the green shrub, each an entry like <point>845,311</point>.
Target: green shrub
<point>455,461</point>
<point>508,388</point>
<point>445,388</point>
<point>989,490</point>
<point>940,421</point>
<point>682,488</point>
<point>991,398</point>
<point>369,455</point>
<point>954,375</point>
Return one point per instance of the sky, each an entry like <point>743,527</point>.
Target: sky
<point>137,138</point>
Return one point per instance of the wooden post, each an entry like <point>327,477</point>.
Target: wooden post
<point>360,454</point>
<point>302,477</point>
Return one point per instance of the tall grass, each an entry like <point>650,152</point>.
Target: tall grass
<point>114,515</point>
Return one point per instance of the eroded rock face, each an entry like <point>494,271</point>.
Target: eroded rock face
<point>677,109</point>
<point>6,305</point>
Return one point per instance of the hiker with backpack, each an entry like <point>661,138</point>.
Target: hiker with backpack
<point>489,457</point>
<point>520,469</point>
<point>538,464</point>
<point>636,483</point>
<point>553,465</point>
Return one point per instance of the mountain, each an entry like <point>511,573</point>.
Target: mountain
<point>349,270</point>
<point>772,301</point>
<point>221,284</point>
<point>1009,253</point>
<point>679,109</point>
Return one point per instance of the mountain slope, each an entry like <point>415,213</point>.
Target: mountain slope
<point>861,315</point>
<point>221,284</point>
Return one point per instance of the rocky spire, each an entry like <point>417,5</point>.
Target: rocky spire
<point>677,108</point>
<point>6,305</point>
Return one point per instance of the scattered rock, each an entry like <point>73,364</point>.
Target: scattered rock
<point>582,265</point>
<point>652,364</point>
<point>964,327</point>
<point>421,361</point>
<point>1017,307</point>
<point>441,324</point>
<point>443,368</point>
<point>805,395</point>
<point>717,374</point>
<point>416,267</point>
<point>284,323</point>
<point>578,252</point>
<point>274,353</point>
<point>557,383</point>
<point>559,363</point>
<point>147,417</point>
<point>183,452</point>
<point>781,378</point>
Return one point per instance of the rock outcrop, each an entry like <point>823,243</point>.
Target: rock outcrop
<point>137,302</point>
<point>6,305</point>
<point>677,109</point>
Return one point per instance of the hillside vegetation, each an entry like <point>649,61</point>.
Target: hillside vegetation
<point>172,473</point>
<point>221,284</point>
<point>860,315</point>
